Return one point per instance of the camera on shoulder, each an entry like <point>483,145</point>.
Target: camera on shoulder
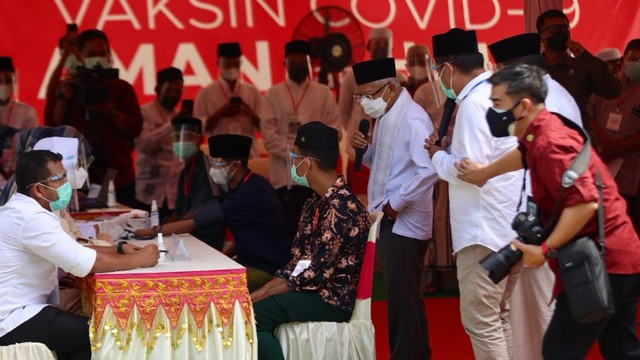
<point>529,231</point>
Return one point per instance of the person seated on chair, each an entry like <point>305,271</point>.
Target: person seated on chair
<point>195,187</point>
<point>319,282</point>
<point>250,209</point>
<point>33,244</point>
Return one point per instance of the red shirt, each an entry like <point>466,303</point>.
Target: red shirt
<point>110,147</point>
<point>549,147</point>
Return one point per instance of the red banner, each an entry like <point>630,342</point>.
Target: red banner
<point>147,35</point>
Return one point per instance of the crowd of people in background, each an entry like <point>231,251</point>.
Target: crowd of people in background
<point>300,227</point>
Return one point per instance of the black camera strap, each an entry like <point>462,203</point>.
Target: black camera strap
<point>576,169</point>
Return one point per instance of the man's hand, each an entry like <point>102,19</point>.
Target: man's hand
<point>389,212</point>
<point>430,143</point>
<point>358,140</point>
<point>531,254</point>
<point>129,249</point>
<point>259,294</point>
<point>575,47</point>
<point>472,172</point>
<point>148,255</point>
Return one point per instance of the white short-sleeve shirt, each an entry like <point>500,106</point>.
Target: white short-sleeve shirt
<point>33,244</point>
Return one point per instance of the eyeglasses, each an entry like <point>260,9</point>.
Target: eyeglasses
<point>52,178</point>
<point>359,97</point>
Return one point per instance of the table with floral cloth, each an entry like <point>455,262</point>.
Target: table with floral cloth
<point>188,309</point>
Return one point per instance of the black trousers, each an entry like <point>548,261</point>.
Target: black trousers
<point>567,340</point>
<point>65,333</point>
<point>402,262</point>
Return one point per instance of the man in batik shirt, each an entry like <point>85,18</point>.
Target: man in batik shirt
<point>319,283</point>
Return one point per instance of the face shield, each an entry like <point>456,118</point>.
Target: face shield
<point>186,139</point>
<point>434,79</point>
<point>75,165</point>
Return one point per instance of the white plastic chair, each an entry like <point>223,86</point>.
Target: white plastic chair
<point>27,351</point>
<point>330,340</point>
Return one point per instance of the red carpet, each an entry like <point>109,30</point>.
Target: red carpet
<point>447,337</point>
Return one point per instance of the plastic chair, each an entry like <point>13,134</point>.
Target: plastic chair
<point>28,350</point>
<point>330,340</point>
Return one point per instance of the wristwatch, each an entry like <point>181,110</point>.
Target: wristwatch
<point>119,248</point>
<point>549,253</point>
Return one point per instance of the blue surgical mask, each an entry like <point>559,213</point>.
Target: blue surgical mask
<point>300,180</point>
<point>184,149</point>
<point>64,196</point>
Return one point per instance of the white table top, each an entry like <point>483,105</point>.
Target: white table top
<point>203,258</point>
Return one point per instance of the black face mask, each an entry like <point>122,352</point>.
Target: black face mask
<point>558,41</point>
<point>381,52</point>
<point>298,74</point>
<point>499,122</point>
<point>168,103</point>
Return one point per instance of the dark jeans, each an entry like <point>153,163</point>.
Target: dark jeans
<point>632,210</point>
<point>402,264</point>
<point>567,340</point>
<point>286,308</point>
<point>65,333</point>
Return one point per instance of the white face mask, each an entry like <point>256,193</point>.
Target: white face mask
<point>374,108</point>
<point>71,63</point>
<point>91,62</point>
<point>6,91</point>
<point>419,73</point>
<point>230,74</point>
<point>221,176</point>
<point>631,70</point>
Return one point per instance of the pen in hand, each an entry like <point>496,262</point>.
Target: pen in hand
<point>162,251</point>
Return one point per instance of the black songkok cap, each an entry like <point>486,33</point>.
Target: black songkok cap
<point>515,47</point>
<point>6,64</point>
<point>168,74</point>
<point>372,70</point>
<point>454,42</point>
<point>297,47</point>
<point>180,121</point>
<point>230,146</point>
<point>229,50</point>
<point>632,45</point>
<point>317,136</point>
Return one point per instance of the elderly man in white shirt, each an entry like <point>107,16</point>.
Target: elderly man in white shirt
<point>480,217</point>
<point>229,105</point>
<point>157,168</point>
<point>401,185</point>
<point>33,244</point>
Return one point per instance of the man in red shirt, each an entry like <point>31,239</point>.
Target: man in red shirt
<point>548,148</point>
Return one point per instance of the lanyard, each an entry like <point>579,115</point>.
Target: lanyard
<point>621,100</point>
<point>189,178</point>
<point>295,104</point>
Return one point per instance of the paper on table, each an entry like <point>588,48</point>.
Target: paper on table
<point>614,166</point>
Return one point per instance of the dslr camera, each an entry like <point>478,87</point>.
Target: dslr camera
<point>529,231</point>
<point>90,84</point>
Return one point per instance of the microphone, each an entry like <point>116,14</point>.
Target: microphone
<point>364,129</point>
<point>449,106</point>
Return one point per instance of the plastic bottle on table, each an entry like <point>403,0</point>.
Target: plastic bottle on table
<point>111,198</point>
<point>155,216</point>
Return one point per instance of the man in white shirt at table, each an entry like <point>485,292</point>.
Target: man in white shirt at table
<point>33,244</point>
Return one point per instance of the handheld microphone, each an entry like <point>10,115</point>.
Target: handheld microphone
<point>449,106</point>
<point>364,129</point>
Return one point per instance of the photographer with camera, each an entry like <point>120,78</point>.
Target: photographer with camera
<point>549,146</point>
<point>101,106</point>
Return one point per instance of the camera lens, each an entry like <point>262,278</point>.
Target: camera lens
<point>499,263</point>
